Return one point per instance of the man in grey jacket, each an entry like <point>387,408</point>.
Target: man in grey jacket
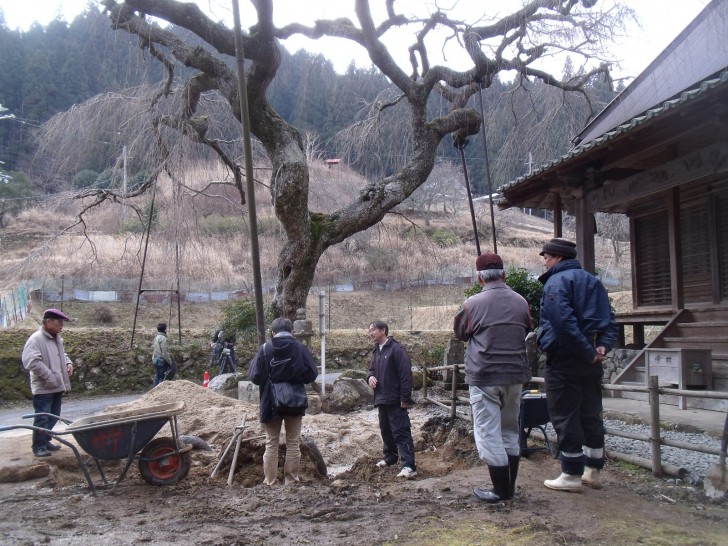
<point>50,368</point>
<point>495,323</point>
<point>161,361</point>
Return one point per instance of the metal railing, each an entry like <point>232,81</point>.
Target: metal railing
<point>653,390</point>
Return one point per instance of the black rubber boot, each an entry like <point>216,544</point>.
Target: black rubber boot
<point>501,478</point>
<point>513,463</point>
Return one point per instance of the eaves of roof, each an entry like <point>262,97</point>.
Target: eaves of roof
<point>650,116</point>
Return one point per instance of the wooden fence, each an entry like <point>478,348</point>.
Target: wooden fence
<point>457,404</point>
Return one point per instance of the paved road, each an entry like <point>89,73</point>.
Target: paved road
<point>74,409</point>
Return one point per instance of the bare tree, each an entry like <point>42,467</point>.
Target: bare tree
<point>443,187</point>
<point>516,42</point>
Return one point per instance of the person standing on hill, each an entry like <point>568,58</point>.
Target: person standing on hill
<point>161,361</point>
<point>495,323</point>
<point>283,359</point>
<point>577,330</point>
<point>50,371</point>
<point>390,376</point>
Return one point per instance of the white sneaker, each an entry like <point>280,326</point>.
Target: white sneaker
<point>382,464</point>
<point>407,473</point>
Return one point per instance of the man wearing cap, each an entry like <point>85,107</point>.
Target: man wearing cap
<point>495,323</point>
<point>577,330</point>
<point>50,369</point>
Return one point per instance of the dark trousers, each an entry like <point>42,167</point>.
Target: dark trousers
<point>160,369</point>
<point>45,403</point>
<point>394,423</point>
<point>574,397</point>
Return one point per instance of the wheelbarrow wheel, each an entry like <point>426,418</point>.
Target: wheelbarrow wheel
<point>160,462</point>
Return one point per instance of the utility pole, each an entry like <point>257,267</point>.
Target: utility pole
<point>123,203</point>
<point>250,183</point>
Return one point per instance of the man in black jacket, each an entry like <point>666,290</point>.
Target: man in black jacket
<point>296,365</point>
<point>390,375</point>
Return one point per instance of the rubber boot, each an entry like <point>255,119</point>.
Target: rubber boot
<point>591,477</point>
<point>513,463</point>
<point>565,482</point>
<point>501,478</point>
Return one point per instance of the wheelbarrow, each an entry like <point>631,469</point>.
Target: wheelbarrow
<point>127,435</point>
<point>534,414</point>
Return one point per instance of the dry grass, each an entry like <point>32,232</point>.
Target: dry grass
<point>204,237</point>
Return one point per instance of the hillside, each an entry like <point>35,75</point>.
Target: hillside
<point>48,248</point>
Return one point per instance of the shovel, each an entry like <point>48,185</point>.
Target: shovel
<point>716,482</point>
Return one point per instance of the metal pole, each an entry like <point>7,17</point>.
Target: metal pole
<point>250,183</point>
<point>144,263</point>
<point>123,205</point>
<point>654,396</point>
<point>461,147</point>
<point>487,172</point>
<point>179,305</point>
<point>322,329</point>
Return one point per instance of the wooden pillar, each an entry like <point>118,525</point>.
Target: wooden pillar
<point>584,234</point>
<point>558,217</point>
<point>673,223</point>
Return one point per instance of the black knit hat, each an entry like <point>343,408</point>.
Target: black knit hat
<point>559,247</point>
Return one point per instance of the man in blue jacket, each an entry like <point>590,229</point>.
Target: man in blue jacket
<point>390,375</point>
<point>577,330</point>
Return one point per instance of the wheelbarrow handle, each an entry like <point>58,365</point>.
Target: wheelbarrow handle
<point>58,417</point>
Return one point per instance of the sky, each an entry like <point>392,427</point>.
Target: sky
<point>660,22</point>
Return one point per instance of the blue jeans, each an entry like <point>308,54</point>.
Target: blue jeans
<point>45,403</point>
<point>160,369</point>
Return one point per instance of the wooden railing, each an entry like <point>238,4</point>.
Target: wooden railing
<point>656,465</point>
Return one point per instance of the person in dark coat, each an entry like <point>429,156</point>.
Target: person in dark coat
<point>297,366</point>
<point>390,375</point>
<point>577,330</point>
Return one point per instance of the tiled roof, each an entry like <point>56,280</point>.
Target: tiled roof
<point>637,121</point>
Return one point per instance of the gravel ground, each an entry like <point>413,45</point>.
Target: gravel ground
<point>697,464</point>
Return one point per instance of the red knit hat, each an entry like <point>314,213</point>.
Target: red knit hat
<point>488,261</point>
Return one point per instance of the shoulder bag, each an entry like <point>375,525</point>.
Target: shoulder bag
<point>288,398</point>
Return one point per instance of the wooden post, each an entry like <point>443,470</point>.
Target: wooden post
<point>453,408</point>
<point>424,382</point>
<point>655,442</point>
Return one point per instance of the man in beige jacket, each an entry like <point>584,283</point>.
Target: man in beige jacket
<point>50,368</point>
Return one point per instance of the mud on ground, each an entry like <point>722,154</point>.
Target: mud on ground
<point>357,503</point>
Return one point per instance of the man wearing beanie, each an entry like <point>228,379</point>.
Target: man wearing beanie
<point>50,368</point>
<point>577,330</point>
<point>495,323</point>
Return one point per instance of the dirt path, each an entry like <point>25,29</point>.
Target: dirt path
<point>362,505</point>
